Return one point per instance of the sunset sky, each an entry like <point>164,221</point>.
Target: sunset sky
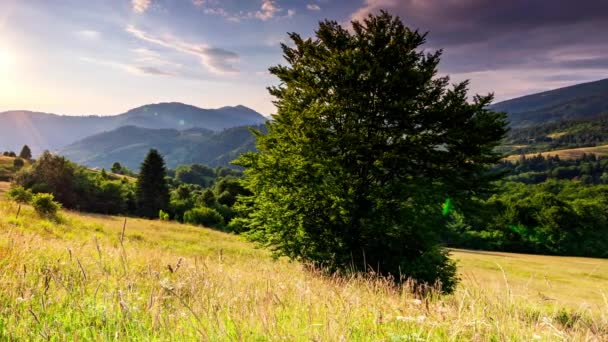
<point>107,56</point>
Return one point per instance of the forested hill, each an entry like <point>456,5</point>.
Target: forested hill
<point>558,135</point>
<point>42,131</point>
<point>578,102</point>
<point>129,145</point>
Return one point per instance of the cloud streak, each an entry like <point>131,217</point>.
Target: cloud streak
<point>215,60</point>
<point>140,6</point>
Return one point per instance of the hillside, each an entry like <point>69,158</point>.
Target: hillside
<point>570,153</point>
<point>7,169</point>
<point>558,135</point>
<point>129,145</point>
<point>43,131</point>
<point>576,102</point>
<point>78,278</point>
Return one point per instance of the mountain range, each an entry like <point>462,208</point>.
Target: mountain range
<point>187,134</point>
<point>578,102</point>
<point>44,131</point>
<point>129,145</point>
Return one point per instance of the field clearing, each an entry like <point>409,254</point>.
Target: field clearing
<point>573,153</point>
<point>74,279</point>
<point>573,282</point>
<point>4,186</point>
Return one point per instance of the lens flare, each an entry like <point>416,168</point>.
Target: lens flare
<point>446,207</point>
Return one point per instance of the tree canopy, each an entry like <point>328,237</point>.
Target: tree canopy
<point>367,143</point>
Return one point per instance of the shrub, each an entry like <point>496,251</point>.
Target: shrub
<point>204,216</point>
<point>18,163</point>
<point>19,194</point>
<point>163,216</point>
<point>226,199</point>
<point>45,204</point>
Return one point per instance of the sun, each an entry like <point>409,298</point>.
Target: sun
<point>7,59</point>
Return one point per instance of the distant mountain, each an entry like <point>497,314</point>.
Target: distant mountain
<point>43,131</point>
<point>576,102</point>
<point>129,145</point>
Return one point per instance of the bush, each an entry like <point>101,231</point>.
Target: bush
<point>204,216</point>
<point>19,194</point>
<point>226,199</point>
<point>45,204</point>
<point>18,163</point>
<point>163,216</point>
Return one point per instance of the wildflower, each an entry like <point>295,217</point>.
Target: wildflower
<point>416,301</point>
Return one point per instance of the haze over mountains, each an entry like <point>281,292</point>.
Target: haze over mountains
<point>43,131</point>
<point>187,134</point>
<point>128,145</point>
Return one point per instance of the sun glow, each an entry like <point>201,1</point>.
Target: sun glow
<point>7,59</point>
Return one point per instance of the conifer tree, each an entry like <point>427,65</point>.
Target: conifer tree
<point>152,190</point>
<point>25,153</point>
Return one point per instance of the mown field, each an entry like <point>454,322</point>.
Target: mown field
<point>573,153</point>
<point>82,277</point>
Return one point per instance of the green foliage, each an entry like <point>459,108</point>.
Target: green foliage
<point>204,216</point>
<point>76,187</point>
<point>25,153</point>
<point>226,198</point>
<point>367,144</point>
<point>554,217</point>
<point>208,198</point>
<point>152,191</point>
<point>45,205</point>
<point>20,194</point>
<point>195,174</point>
<point>18,163</point>
<point>589,169</point>
<point>116,167</point>
<point>163,216</point>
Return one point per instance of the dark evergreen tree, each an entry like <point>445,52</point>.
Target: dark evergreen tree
<point>366,145</point>
<point>152,189</point>
<point>25,153</point>
<point>116,168</point>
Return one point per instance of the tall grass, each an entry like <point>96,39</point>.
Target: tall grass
<point>79,278</point>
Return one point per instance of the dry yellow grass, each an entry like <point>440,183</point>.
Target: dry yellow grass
<point>573,153</point>
<point>75,280</point>
<point>4,187</point>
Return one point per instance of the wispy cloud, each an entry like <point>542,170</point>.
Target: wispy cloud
<point>218,11</point>
<point>313,7</point>
<point>140,6</point>
<point>216,60</point>
<point>88,34</point>
<point>151,57</point>
<point>268,10</point>
<point>131,68</point>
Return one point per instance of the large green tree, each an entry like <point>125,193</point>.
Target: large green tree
<point>152,189</point>
<point>367,143</point>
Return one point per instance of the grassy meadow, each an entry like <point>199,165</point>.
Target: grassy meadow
<point>83,278</point>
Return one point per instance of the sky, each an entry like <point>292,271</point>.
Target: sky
<point>103,57</point>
